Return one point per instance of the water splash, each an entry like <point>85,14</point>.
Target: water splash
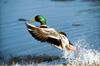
<point>83,55</point>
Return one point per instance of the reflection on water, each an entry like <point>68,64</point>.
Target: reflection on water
<point>93,10</point>
<point>76,24</point>
<point>91,0</point>
<point>80,20</point>
<point>5,2</point>
<point>62,0</point>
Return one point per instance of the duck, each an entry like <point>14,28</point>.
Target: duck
<point>43,33</point>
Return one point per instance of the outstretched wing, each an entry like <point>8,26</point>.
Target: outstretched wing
<point>44,34</point>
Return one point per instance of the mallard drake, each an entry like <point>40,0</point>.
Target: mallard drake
<point>45,34</point>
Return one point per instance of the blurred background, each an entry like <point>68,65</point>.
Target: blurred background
<point>80,19</point>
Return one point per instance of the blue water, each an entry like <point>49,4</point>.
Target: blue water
<point>79,19</point>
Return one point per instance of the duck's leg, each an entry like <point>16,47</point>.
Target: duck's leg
<point>66,53</point>
<point>70,47</point>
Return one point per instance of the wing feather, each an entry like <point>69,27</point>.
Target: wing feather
<point>44,34</point>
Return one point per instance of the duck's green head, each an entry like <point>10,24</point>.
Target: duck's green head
<point>40,19</point>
